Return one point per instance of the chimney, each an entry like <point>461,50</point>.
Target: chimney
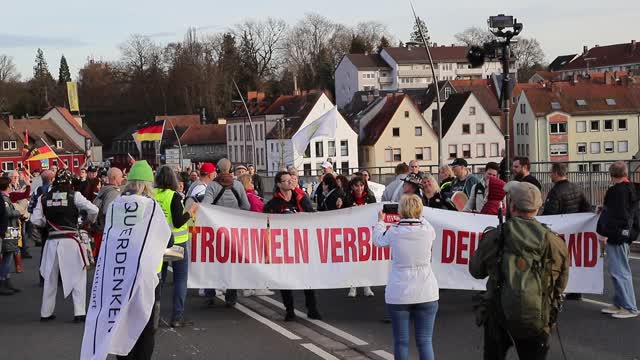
<point>633,46</point>
<point>585,49</point>
<point>252,95</point>
<point>435,45</point>
<point>295,85</point>
<point>7,118</point>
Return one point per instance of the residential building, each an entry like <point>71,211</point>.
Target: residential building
<point>40,132</point>
<point>77,130</point>
<point>578,122</point>
<point>617,57</point>
<point>204,142</point>
<point>559,62</point>
<point>289,114</point>
<point>469,131</point>
<point>407,67</point>
<point>392,130</point>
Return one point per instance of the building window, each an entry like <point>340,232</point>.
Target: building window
<point>247,131</point>
<point>622,124</point>
<point>583,168</point>
<point>472,110</point>
<point>388,155</point>
<point>595,147</point>
<point>466,151</point>
<point>331,148</point>
<point>7,166</point>
<point>241,131</point>
<point>581,126</point>
<point>271,148</point>
<point>527,150</point>
<point>418,130</point>
<point>518,129</point>
<point>494,149</point>
<point>479,128</point>
<point>397,156</point>
<point>307,151</point>
<point>344,148</point>
<point>13,145</point>
<point>558,128</point>
<point>623,146</point>
<point>419,155</point>
<point>427,153</point>
<point>242,154</point>
<point>595,125</point>
<point>406,114</point>
<point>306,169</point>
<point>526,127</point>
<point>447,93</point>
<point>466,129</point>
<point>55,162</point>
<point>66,163</point>
<point>396,132</point>
<point>559,149</point>
<point>235,134</point>
<point>231,151</point>
<point>523,108</point>
<point>582,148</point>
<point>76,163</point>
<point>480,150</point>
<point>453,151</point>
<point>319,149</point>
<point>235,153</point>
<point>608,146</point>
<point>5,145</point>
<point>596,167</point>
<point>345,167</point>
<point>608,125</point>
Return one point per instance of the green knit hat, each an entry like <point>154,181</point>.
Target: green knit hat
<point>141,171</point>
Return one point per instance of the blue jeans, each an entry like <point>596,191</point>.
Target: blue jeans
<point>180,276</point>
<point>424,317</point>
<point>624,295</point>
<point>5,265</point>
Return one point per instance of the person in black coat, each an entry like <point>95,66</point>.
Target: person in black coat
<point>330,194</point>
<point>565,197</point>
<point>358,194</point>
<point>432,197</point>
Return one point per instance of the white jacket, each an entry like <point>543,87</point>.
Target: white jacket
<point>411,279</point>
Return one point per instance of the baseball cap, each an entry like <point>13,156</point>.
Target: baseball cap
<point>238,167</point>
<point>92,169</point>
<point>523,195</point>
<point>207,168</point>
<point>414,179</point>
<point>459,162</point>
<point>326,165</point>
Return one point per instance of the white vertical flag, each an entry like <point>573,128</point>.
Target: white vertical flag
<point>325,125</point>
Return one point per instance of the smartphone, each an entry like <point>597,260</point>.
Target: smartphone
<point>390,208</point>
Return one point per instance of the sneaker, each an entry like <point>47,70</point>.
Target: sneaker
<point>314,314</point>
<point>79,319</point>
<point>368,292</point>
<point>247,293</point>
<point>181,323</point>
<point>624,314</point>
<point>290,316</point>
<point>612,309</point>
<point>48,318</point>
<point>352,292</point>
<point>263,292</point>
<point>201,293</point>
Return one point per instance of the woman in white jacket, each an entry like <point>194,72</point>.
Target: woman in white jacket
<point>412,289</point>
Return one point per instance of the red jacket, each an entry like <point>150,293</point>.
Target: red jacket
<point>256,204</point>
<point>496,193</point>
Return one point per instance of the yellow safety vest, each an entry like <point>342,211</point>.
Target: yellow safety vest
<point>164,197</point>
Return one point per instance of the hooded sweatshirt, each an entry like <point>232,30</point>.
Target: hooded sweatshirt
<point>225,183</point>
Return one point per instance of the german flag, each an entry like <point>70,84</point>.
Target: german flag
<point>151,132</point>
<point>43,152</point>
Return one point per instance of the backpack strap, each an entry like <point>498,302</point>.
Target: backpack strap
<point>224,188</point>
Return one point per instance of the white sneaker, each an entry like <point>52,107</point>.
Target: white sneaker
<point>624,314</point>
<point>201,293</point>
<point>368,292</point>
<point>248,292</point>
<point>352,292</point>
<point>612,309</point>
<point>263,292</point>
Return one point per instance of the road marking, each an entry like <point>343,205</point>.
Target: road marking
<point>595,302</point>
<point>316,350</point>
<point>354,340</point>
<point>383,354</point>
<point>634,257</point>
<point>284,332</point>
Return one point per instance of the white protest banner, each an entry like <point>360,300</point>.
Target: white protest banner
<point>122,294</point>
<point>233,249</point>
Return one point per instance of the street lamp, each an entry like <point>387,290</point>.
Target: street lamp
<point>506,28</point>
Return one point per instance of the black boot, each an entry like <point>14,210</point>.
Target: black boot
<point>4,290</point>
<point>10,286</point>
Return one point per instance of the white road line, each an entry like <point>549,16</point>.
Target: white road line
<point>383,354</point>
<point>316,350</point>
<point>354,340</point>
<point>595,302</point>
<point>634,257</point>
<point>284,332</point>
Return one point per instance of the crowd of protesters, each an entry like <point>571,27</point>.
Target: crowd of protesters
<point>27,217</point>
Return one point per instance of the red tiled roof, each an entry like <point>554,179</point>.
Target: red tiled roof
<point>45,129</point>
<point>368,61</point>
<point>377,125</point>
<point>617,54</point>
<point>204,134</point>
<point>549,75</point>
<point>627,99</point>
<point>418,55</point>
<point>484,92</point>
<point>179,120</point>
<point>71,120</point>
<point>294,107</point>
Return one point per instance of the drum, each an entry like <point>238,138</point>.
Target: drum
<point>459,199</point>
<point>174,253</point>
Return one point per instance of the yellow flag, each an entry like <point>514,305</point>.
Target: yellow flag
<point>72,91</point>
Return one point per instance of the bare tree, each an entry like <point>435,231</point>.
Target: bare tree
<point>371,32</point>
<point>8,72</point>
<point>528,52</point>
<point>474,36</point>
<point>261,42</point>
<point>138,53</point>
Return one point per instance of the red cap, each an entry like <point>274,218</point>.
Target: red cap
<point>207,168</point>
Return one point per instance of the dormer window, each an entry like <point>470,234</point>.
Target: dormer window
<point>9,145</point>
<point>555,105</point>
<point>59,144</point>
<point>611,102</point>
<point>581,102</point>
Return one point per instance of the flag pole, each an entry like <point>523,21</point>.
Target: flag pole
<point>253,135</point>
<point>159,144</point>
<point>179,144</point>
<point>58,157</point>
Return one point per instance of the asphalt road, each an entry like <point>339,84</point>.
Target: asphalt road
<point>351,329</point>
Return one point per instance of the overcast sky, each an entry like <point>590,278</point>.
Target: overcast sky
<point>80,29</point>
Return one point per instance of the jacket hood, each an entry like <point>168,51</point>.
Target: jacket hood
<point>225,179</point>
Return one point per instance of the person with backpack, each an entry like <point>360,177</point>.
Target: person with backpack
<point>109,192</point>
<point>618,225</point>
<point>225,191</point>
<point>528,269</point>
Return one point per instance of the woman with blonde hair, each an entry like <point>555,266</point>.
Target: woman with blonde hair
<point>255,202</point>
<point>431,196</point>
<point>412,288</point>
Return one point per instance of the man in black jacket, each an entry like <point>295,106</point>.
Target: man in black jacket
<point>618,226</point>
<point>565,197</point>
<point>288,201</point>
